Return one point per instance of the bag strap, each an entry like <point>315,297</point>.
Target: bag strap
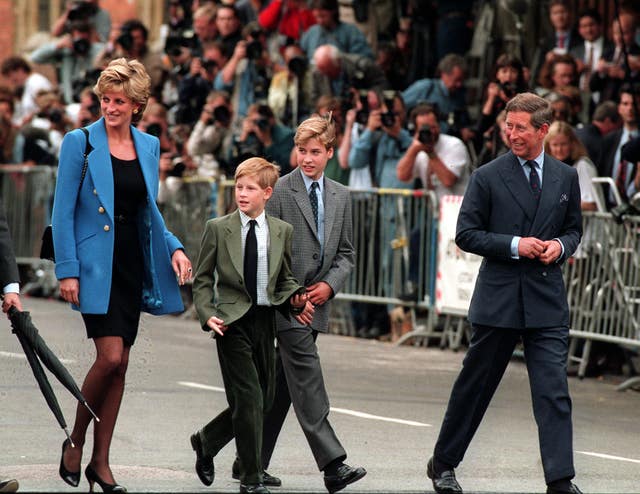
<point>88,148</point>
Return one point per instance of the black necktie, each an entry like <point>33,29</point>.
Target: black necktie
<point>251,261</point>
<point>534,179</point>
<point>313,199</point>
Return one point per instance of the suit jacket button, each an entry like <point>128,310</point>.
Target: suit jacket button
<point>106,228</point>
<point>315,256</point>
<point>544,273</point>
<point>95,192</point>
<point>100,210</point>
<point>240,281</point>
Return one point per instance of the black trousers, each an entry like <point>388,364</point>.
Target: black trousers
<point>247,360</point>
<point>546,351</point>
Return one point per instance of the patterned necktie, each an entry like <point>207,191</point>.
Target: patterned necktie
<point>251,261</point>
<point>313,199</point>
<point>561,40</point>
<point>534,179</point>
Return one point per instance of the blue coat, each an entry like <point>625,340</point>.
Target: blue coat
<point>83,224</point>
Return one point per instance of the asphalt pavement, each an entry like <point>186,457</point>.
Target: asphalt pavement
<point>387,405</point>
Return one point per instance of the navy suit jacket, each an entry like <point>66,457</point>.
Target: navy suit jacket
<point>83,224</point>
<point>498,205</point>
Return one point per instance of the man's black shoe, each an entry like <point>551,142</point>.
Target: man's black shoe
<point>268,480</point>
<point>204,463</point>
<point>9,485</point>
<point>344,476</point>
<point>253,489</point>
<point>572,490</point>
<point>444,482</point>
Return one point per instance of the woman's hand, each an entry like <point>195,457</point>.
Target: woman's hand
<point>181,266</point>
<point>70,290</point>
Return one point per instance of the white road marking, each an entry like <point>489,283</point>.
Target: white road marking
<point>344,411</point>
<point>23,357</point>
<point>608,457</point>
<point>190,384</point>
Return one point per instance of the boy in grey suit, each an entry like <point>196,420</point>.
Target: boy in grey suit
<point>322,257</point>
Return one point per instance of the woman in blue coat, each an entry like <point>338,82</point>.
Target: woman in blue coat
<point>114,255</point>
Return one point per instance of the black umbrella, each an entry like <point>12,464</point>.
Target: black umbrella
<point>36,351</point>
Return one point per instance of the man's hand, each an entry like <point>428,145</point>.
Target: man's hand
<point>217,325</point>
<point>531,247</point>
<point>11,299</point>
<point>319,293</point>
<point>552,251</point>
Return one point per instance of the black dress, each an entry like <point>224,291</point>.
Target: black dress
<point>123,314</point>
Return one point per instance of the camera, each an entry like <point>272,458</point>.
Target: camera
<point>254,50</point>
<point>220,114</point>
<point>176,41</point>
<point>262,123</point>
<point>209,65</point>
<point>54,115</point>
<point>154,129</point>
<point>81,46</point>
<point>362,115</point>
<point>425,136</point>
<point>509,89</point>
<point>87,79</point>
<point>388,118</point>
<point>298,66</point>
<point>125,40</point>
<point>81,10</point>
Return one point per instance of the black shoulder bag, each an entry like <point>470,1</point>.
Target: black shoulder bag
<point>46,249</point>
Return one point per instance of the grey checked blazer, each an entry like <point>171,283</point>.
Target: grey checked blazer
<point>290,202</point>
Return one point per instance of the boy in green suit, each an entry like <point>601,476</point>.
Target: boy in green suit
<point>243,273</point>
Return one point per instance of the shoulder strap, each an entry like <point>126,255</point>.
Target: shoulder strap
<point>88,148</point>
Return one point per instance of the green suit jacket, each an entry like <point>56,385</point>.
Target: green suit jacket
<point>218,287</point>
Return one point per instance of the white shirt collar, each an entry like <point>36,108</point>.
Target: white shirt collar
<point>260,219</point>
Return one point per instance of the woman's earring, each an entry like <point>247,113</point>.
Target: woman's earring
<point>135,110</point>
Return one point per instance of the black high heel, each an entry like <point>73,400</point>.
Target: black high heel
<point>92,478</point>
<point>71,478</point>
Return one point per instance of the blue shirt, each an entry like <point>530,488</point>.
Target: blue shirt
<point>347,37</point>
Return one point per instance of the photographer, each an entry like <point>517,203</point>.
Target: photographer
<point>88,108</point>
<point>247,74</point>
<point>131,42</point>
<point>73,55</point>
<point>261,135</point>
<point>440,161</point>
<point>290,93</point>
<point>507,81</point>
<point>80,10</point>
<point>211,136</point>
<point>198,83</point>
<point>338,74</point>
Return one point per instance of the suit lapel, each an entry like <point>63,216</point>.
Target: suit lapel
<point>329,202</point>
<point>99,165</point>
<point>516,181</point>
<point>276,246</point>
<point>302,199</point>
<point>232,232</point>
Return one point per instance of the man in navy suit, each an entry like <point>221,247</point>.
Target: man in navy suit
<point>521,213</point>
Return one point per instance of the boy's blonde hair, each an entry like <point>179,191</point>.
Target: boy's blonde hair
<point>266,173</point>
<point>316,127</point>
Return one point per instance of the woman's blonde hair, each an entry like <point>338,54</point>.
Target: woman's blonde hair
<point>316,127</point>
<point>558,128</point>
<point>130,77</point>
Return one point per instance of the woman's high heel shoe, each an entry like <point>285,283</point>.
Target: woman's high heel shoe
<point>71,478</point>
<point>92,478</point>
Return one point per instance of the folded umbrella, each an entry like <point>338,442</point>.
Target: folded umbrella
<point>37,351</point>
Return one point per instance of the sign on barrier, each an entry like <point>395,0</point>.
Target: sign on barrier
<point>457,270</point>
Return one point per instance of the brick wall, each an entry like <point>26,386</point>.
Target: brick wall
<point>7,28</point>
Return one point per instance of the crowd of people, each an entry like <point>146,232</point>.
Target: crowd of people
<point>231,80</point>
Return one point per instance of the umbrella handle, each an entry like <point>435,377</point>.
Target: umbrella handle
<point>91,411</point>
<point>66,431</point>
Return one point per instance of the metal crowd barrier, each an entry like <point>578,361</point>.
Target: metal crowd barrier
<point>603,286</point>
<point>27,196</point>
<point>395,231</point>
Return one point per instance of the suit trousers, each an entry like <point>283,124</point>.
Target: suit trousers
<point>299,380</point>
<point>546,352</point>
<point>247,360</point>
